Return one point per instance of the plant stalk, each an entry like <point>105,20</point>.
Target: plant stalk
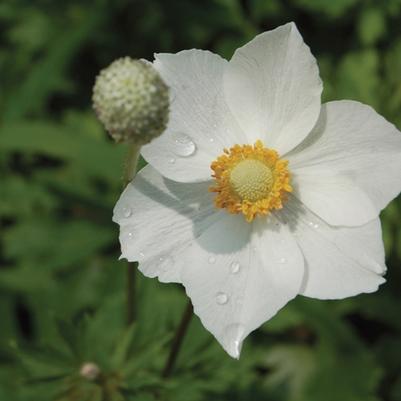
<point>177,341</point>
<point>130,168</point>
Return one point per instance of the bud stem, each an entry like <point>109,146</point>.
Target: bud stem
<point>130,169</point>
<point>131,163</point>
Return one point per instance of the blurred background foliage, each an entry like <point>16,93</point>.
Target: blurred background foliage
<point>62,289</point>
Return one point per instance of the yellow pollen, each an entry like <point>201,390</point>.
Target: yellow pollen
<point>250,179</point>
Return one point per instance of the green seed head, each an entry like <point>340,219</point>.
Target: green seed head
<point>132,101</point>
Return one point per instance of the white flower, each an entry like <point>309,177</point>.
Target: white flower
<point>294,212</point>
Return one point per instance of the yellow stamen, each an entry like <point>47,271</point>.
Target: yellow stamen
<point>252,180</point>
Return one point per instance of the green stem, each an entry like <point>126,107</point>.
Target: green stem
<point>178,339</point>
<point>131,163</point>
<point>130,169</point>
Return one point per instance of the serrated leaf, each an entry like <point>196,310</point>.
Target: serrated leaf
<point>123,347</point>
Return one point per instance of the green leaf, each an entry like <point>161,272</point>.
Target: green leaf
<point>371,26</point>
<point>48,74</point>
<point>57,141</point>
<point>71,336</point>
<point>123,347</point>
<point>333,9</point>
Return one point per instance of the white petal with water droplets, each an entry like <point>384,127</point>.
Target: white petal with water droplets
<point>201,124</point>
<point>232,305</point>
<point>339,261</point>
<point>165,218</point>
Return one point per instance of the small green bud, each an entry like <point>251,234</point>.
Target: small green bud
<point>132,101</point>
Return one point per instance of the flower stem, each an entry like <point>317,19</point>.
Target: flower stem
<point>131,287</point>
<point>177,341</point>
<point>130,168</point>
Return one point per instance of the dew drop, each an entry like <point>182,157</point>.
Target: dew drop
<point>171,161</point>
<point>127,212</point>
<point>182,144</point>
<point>128,232</point>
<point>282,260</point>
<point>211,260</point>
<point>165,263</point>
<point>233,336</point>
<point>211,139</point>
<point>235,267</point>
<point>313,225</point>
<point>221,298</point>
<point>141,254</point>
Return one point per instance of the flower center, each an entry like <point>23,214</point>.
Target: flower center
<point>251,180</point>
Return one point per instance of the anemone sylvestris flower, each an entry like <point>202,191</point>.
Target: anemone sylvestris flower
<point>257,192</point>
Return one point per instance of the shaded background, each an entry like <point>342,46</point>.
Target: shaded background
<point>62,290</point>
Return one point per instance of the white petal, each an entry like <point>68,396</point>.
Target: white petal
<point>239,275</point>
<point>198,115</point>
<point>273,88</point>
<point>159,218</point>
<point>335,198</point>
<point>360,147</point>
<point>339,261</point>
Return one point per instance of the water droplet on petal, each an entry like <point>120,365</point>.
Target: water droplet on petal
<point>221,298</point>
<point>141,254</point>
<point>182,144</point>
<point>316,226</point>
<point>165,263</point>
<point>211,139</point>
<point>171,160</point>
<point>127,212</point>
<point>233,336</point>
<point>235,267</point>
<point>127,232</point>
<point>282,260</point>
<point>211,259</point>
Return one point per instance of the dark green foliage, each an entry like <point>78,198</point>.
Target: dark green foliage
<point>62,288</point>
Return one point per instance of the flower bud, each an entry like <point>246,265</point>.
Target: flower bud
<point>89,371</point>
<point>132,101</point>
